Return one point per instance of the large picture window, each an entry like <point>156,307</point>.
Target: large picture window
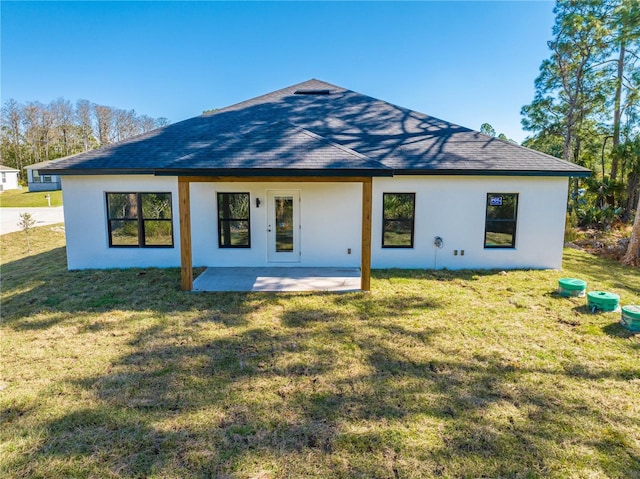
<point>500,227</point>
<point>398,220</point>
<point>233,220</point>
<point>140,220</point>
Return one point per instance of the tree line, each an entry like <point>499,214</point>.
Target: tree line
<point>586,107</point>
<point>35,132</point>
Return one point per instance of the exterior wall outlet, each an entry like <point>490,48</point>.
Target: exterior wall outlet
<point>348,250</point>
<point>461,252</point>
<point>455,252</point>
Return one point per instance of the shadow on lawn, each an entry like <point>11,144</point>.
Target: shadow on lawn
<point>617,330</point>
<point>307,416</point>
<point>42,284</point>
<point>266,393</point>
<point>317,388</point>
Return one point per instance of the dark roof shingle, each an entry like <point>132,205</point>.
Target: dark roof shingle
<point>340,133</point>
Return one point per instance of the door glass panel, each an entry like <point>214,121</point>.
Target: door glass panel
<point>284,224</point>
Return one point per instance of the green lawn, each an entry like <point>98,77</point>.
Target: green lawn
<point>23,198</point>
<point>118,374</point>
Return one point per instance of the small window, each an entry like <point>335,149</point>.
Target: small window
<point>4,177</point>
<point>140,220</point>
<point>36,176</point>
<point>500,227</point>
<point>234,230</point>
<point>397,220</point>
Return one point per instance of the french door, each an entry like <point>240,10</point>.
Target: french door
<point>283,226</point>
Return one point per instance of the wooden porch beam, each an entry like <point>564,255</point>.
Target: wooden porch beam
<point>365,267</point>
<point>186,261</point>
<point>274,179</point>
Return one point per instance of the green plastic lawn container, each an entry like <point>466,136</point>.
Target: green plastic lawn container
<point>572,287</point>
<point>603,301</point>
<point>631,317</point>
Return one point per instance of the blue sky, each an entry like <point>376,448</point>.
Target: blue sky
<point>464,62</point>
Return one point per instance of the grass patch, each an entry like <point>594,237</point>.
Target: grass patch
<point>24,198</point>
<point>433,374</point>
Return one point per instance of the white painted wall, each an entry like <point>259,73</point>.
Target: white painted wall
<point>454,208</point>
<point>85,214</point>
<point>330,220</point>
<point>9,180</point>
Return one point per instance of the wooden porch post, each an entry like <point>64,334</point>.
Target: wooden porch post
<point>186,262</point>
<point>365,268</point>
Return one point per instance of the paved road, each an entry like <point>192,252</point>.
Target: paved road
<point>9,217</point>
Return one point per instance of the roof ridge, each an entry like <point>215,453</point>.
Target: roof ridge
<point>325,82</point>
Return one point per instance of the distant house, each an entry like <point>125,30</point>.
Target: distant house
<point>8,178</point>
<point>42,181</point>
<point>314,175</point>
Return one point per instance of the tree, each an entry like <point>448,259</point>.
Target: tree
<point>162,121</point>
<point>12,115</point>
<point>126,124</point>
<point>62,112</point>
<point>36,131</point>
<point>84,124</point>
<point>547,142</point>
<point>629,154</point>
<point>625,27</point>
<point>147,123</point>
<point>633,250</point>
<point>487,129</point>
<point>30,124</point>
<point>104,116</point>
<point>567,89</point>
<point>26,223</point>
<point>586,107</point>
<point>45,126</point>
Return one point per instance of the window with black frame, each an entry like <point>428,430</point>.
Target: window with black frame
<point>398,220</point>
<point>140,220</point>
<point>234,226</point>
<point>501,220</point>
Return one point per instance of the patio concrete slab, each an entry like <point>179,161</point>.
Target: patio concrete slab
<point>278,279</point>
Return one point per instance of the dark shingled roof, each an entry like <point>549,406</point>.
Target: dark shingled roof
<point>336,132</point>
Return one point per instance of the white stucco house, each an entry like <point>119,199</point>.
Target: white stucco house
<point>42,182</point>
<point>8,178</point>
<point>314,175</point>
